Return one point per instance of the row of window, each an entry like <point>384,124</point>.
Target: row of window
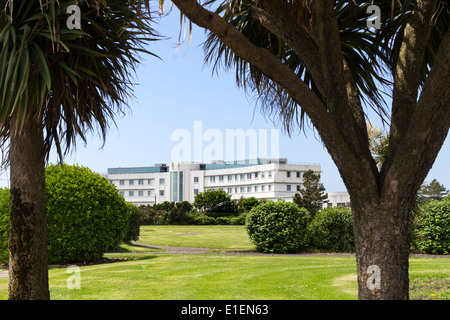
<point>140,193</point>
<point>237,177</point>
<point>131,182</point>
<point>259,188</point>
<point>250,176</point>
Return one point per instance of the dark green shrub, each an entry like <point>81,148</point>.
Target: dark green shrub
<point>86,215</point>
<point>431,231</point>
<point>200,219</point>
<point>249,203</point>
<point>4,225</point>
<point>214,202</point>
<point>231,220</point>
<point>332,230</point>
<point>278,227</point>
<point>166,205</point>
<point>150,215</point>
<point>134,217</point>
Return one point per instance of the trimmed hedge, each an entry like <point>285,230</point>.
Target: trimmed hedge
<point>86,215</point>
<point>4,224</point>
<point>332,230</point>
<point>278,227</point>
<point>431,231</point>
<point>134,223</point>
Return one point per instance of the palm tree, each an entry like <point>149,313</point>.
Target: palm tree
<point>57,84</point>
<point>317,60</point>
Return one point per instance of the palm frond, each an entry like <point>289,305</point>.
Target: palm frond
<point>74,81</point>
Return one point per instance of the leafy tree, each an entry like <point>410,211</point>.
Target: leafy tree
<point>214,201</point>
<point>249,203</point>
<point>57,84</point>
<point>312,193</point>
<point>319,61</point>
<point>433,191</point>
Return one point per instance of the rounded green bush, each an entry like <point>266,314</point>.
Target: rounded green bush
<point>278,227</point>
<point>86,215</point>
<point>332,230</point>
<point>431,233</point>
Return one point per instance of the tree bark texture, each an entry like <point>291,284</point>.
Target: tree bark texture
<point>28,263</point>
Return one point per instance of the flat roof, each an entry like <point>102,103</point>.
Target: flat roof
<point>137,170</point>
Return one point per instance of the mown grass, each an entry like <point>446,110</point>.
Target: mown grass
<point>214,237</point>
<point>159,276</point>
<point>234,277</point>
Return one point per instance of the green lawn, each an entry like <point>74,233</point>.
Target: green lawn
<point>155,276</point>
<point>214,237</point>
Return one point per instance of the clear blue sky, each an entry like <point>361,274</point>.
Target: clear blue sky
<point>179,89</point>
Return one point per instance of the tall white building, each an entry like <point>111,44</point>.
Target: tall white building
<point>271,179</point>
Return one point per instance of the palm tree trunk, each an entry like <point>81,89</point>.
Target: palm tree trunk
<point>28,263</point>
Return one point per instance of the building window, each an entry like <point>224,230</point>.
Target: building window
<point>149,181</point>
<point>212,178</point>
<point>122,193</point>
<point>220,178</point>
<point>256,188</point>
<point>149,193</point>
<point>288,174</point>
<point>270,187</point>
<point>131,193</point>
<point>161,192</point>
<point>230,190</point>
<point>339,204</point>
<point>249,176</point>
<point>288,187</point>
<point>262,188</point>
<point>249,189</point>
<point>329,204</point>
<point>242,176</point>
<point>299,187</point>
<point>263,174</point>
<point>141,181</point>
<point>230,177</point>
<point>269,174</point>
<point>195,191</point>
<point>161,181</point>
<point>195,179</point>
<point>242,189</point>
<point>141,193</point>
<point>122,182</point>
<point>131,182</point>
<point>299,174</point>
<point>236,177</point>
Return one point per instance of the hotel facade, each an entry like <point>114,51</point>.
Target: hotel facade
<point>271,179</point>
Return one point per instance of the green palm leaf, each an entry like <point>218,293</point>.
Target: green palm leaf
<point>73,81</point>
